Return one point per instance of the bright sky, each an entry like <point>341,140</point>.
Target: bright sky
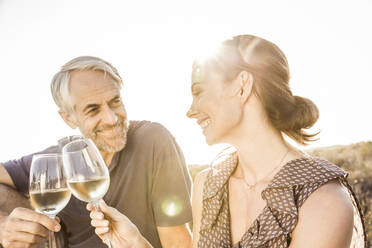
<point>152,43</point>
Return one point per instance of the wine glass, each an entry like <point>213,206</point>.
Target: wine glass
<point>48,189</point>
<point>65,140</point>
<point>87,175</point>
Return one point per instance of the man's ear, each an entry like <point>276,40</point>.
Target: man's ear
<point>69,119</point>
<point>246,81</point>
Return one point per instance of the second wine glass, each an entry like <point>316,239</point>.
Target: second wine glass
<point>87,175</point>
<point>48,190</point>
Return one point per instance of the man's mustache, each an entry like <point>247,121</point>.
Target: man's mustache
<point>106,127</point>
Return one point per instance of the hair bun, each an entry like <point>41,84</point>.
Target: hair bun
<point>305,114</point>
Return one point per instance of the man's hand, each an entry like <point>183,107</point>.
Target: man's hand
<point>25,228</point>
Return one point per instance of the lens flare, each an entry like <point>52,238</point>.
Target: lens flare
<point>207,52</point>
<point>171,207</point>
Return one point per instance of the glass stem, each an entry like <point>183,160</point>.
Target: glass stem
<point>52,240</point>
<point>96,206</point>
<point>106,236</point>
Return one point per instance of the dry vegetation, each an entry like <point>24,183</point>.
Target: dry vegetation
<point>355,159</point>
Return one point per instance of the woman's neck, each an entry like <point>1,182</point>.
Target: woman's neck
<point>261,154</point>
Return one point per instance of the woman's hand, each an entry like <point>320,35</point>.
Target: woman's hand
<point>110,223</point>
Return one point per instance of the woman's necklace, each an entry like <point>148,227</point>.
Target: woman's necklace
<point>252,186</point>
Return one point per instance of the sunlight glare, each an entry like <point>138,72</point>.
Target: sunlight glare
<point>172,208</point>
<point>206,51</point>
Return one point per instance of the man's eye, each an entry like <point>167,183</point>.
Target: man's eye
<point>92,111</point>
<point>116,102</point>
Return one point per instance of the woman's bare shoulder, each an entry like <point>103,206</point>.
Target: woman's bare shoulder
<point>327,217</point>
<point>329,195</point>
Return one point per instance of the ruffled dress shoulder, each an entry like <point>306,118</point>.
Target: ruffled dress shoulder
<point>286,193</point>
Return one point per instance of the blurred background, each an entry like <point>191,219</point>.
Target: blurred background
<point>153,43</point>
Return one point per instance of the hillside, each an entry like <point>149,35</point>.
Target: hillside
<point>357,160</point>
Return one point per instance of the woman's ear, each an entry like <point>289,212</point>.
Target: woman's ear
<point>69,119</point>
<point>246,81</point>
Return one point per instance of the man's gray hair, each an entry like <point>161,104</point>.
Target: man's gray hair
<point>60,82</point>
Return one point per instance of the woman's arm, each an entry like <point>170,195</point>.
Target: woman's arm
<point>325,219</point>
<point>197,205</point>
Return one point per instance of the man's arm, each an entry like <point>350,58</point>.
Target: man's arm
<point>20,226</point>
<point>10,198</point>
<point>171,190</point>
<point>5,177</point>
<point>175,236</point>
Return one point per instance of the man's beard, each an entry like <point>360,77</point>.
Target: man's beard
<point>104,146</point>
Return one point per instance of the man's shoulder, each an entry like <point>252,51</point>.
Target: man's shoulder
<point>25,158</point>
<point>147,129</point>
<point>50,149</point>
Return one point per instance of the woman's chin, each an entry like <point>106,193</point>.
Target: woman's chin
<point>210,140</point>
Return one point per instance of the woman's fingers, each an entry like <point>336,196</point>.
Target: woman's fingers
<point>96,215</point>
<point>101,231</point>
<point>98,220</point>
<point>110,212</point>
<point>109,223</point>
<point>90,206</point>
<point>99,223</point>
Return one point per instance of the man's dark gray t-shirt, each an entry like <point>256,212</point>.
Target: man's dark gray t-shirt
<point>149,183</point>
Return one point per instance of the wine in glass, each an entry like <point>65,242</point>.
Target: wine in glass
<point>48,189</point>
<point>87,175</point>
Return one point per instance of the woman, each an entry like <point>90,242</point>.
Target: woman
<point>267,193</point>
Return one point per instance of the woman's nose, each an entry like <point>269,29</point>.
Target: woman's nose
<point>191,113</point>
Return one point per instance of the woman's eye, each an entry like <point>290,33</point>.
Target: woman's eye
<point>196,92</point>
<point>196,89</point>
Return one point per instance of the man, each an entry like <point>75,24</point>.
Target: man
<point>149,182</point>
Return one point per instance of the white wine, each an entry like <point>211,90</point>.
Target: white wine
<point>50,202</point>
<point>89,190</point>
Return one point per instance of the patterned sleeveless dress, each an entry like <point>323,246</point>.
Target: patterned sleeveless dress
<point>286,193</point>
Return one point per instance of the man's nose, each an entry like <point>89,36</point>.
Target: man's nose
<point>109,116</point>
